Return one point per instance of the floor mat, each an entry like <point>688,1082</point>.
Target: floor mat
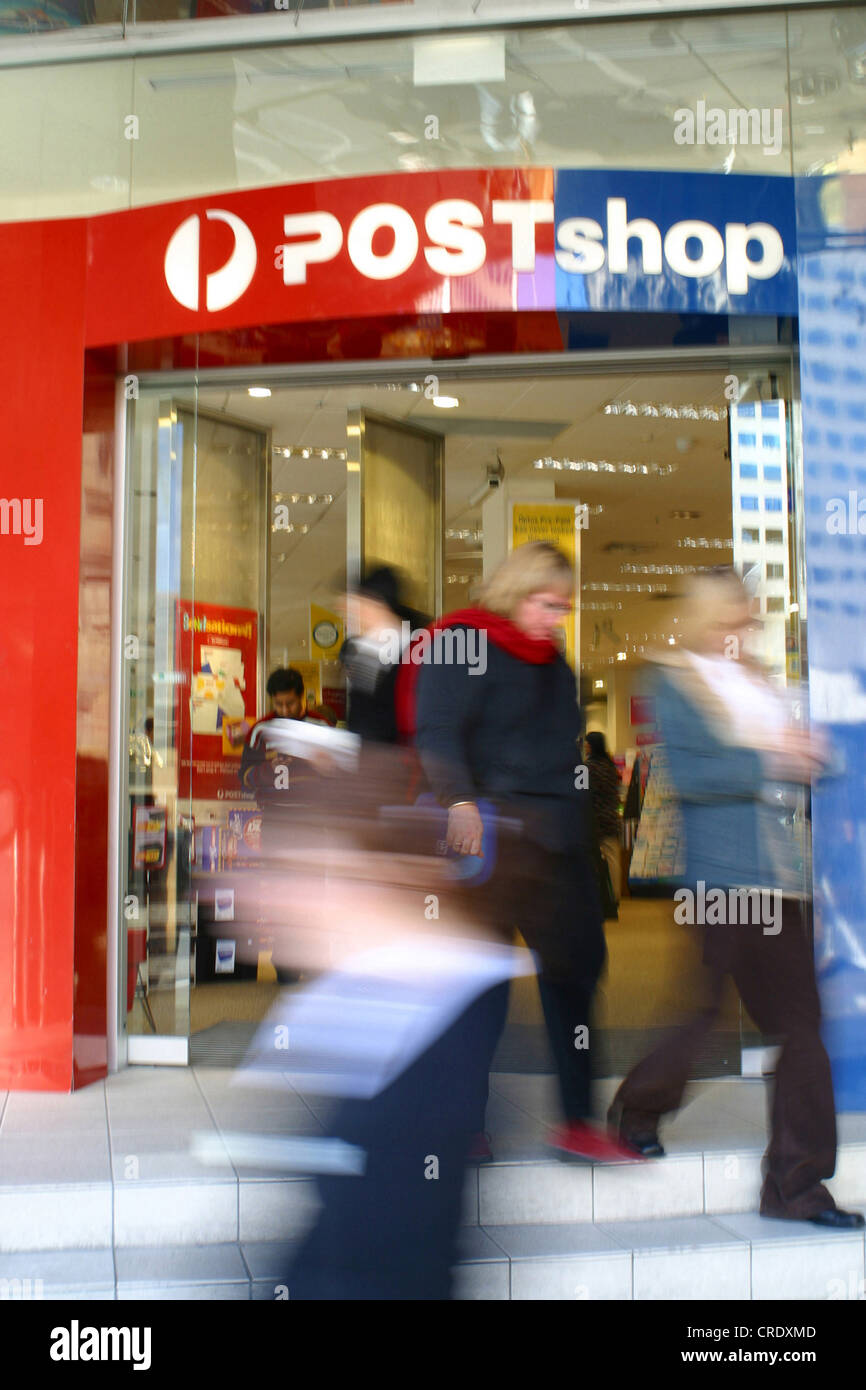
<point>522,1048</point>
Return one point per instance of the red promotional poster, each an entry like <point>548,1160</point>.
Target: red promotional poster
<point>642,709</point>
<point>217,652</point>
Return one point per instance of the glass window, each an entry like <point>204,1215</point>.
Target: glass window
<point>774,537</point>
<point>746,411</point>
<point>751,535</point>
<point>770,410</point>
<point>775,571</point>
<point>772,504</point>
<point>749,504</point>
<point>775,605</point>
<point>772,473</point>
<point>747,441</point>
<point>748,470</point>
<point>770,441</point>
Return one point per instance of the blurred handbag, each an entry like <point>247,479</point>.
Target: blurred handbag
<point>609,906</point>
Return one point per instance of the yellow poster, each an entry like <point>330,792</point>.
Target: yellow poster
<point>560,524</point>
<point>327,633</point>
<point>312,674</point>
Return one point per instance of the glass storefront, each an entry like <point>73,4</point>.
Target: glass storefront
<point>246,515</point>
<point>251,502</point>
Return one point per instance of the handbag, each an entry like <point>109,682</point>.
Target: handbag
<point>609,907</point>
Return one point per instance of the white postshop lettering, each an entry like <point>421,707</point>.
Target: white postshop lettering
<point>619,233</point>
<point>458,248</point>
<point>582,251</point>
<point>359,242</point>
<point>297,255</point>
<point>581,241</point>
<point>712,248</point>
<point>740,267</point>
<point>523,217</point>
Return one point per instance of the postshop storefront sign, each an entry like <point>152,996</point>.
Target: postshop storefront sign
<point>451,241</point>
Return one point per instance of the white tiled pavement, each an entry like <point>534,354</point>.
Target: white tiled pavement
<point>143,1187</point>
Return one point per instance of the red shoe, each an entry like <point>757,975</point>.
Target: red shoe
<point>584,1141</point>
<point>479,1148</point>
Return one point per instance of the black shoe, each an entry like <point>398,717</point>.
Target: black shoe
<point>647,1144</point>
<point>838,1220</point>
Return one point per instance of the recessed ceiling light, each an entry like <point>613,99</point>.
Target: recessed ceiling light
<point>446,402</point>
<point>262,391</point>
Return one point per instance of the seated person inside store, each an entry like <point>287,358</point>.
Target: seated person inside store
<point>280,799</point>
<point>285,688</point>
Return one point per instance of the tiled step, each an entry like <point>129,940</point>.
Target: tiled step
<point>736,1258</point>
<point>709,1183</point>
<point>730,1257</point>
<point>164,1159</point>
<point>173,1200</point>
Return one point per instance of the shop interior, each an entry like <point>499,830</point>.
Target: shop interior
<point>242,513</point>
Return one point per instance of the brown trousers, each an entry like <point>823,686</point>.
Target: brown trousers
<point>775,976</point>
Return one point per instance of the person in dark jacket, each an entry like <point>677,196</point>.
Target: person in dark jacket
<point>497,721</point>
<point>735,759</point>
<point>371,656</point>
<point>604,791</point>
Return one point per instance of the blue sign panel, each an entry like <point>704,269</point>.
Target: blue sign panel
<point>681,243</point>
<point>831,215</point>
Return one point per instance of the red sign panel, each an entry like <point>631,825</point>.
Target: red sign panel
<point>447,242</point>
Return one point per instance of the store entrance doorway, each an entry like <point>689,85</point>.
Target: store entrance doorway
<point>255,499</point>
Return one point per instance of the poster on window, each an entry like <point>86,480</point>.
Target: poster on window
<point>559,524</point>
<point>217,654</point>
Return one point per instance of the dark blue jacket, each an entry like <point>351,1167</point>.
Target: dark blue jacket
<point>510,735</point>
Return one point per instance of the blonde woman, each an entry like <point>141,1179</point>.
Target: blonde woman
<point>734,757</point>
<point>502,734</point>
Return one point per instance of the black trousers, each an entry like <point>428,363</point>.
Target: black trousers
<point>553,900</point>
<point>392,1234</point>
<point>775,976</point>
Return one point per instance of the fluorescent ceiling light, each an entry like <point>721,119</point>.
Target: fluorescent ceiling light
<point>650,410</point>
<point>262,391</point>
<point>446,402</point>
<point>458,59</point>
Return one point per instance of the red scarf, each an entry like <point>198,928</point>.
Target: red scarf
<point>500,631</point>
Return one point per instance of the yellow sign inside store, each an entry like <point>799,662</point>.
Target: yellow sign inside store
<point>559,524</point>
<point>311,672</point>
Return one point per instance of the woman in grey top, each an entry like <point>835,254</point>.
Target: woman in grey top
<point>735,761</point>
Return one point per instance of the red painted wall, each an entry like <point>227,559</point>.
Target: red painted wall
<point>42,281</point>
